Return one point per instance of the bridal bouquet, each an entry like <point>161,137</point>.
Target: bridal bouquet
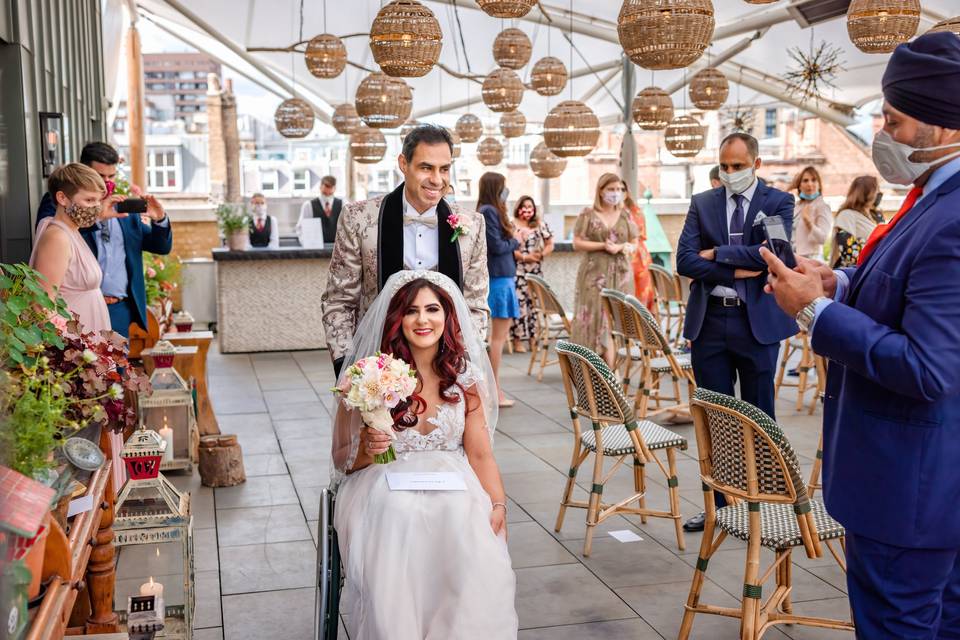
<point>375,385</point>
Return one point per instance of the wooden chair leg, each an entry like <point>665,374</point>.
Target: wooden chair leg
<point>593,508</point>
<point>640,483</point>
<point>544,353</point>
<point>673,486</point>
<point>782,369</point>
<point>700,571</point>
<point>814,483</point>
<point>750,605</point>
<point>575,463</point>
<point>534,348</point>
<point>784,579</point>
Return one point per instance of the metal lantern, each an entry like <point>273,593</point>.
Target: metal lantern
<point>684,137</point>
<point>169,408</point>
<point>512,48</point>
<point>506,8</point>
<point>490,152</point>
<point>345,118</point>
<point>455,139</point>
<point>709,89</point>
<point>665,34</point>
<point>571,129</point>
<point>545,163</point>
<point>407,127</point>
<point>652,109</point>
<point>513,124</point>
<point>469,128</point>
<point>367,146</point>
<point>405,39</point>
<point>384,102</point>
<point>548,76</point>
<point>950,24</point>
<point>878,26</point>
<point>326,56</point>
<point>502,90</point>
<point>293,118</point>
<point>153,530</point>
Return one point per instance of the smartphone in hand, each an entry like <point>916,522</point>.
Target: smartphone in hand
<point>132,205</point>
<point>777,240</point>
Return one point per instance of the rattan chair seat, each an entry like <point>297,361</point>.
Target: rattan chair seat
<point>778,523</point>
<point>617,442</point>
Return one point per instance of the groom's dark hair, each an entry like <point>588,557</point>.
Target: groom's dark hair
<point>425,134</point>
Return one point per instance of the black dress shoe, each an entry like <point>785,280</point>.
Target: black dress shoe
<point>695,523</point>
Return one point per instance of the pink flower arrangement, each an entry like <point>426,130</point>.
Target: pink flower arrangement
<point>458,229</point>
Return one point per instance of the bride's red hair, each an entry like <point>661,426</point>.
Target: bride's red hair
<point>449,362</point>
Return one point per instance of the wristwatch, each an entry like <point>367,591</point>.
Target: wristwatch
<point>806,315</point>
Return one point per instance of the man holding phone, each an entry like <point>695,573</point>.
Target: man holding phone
<point>119,240</point>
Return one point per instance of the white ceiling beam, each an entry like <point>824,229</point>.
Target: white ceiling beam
<point>600,84</point>
<point>716,60</point>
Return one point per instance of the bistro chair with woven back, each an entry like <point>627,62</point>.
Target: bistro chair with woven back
<point>594,393</point>
<point>810,363</point>
<point>671,302</point>
<point>745,455</point>
<point>552,323</point>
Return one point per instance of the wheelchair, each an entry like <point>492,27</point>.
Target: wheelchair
<point>329,572</point>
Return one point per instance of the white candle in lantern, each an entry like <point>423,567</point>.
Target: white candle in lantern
<point>151,588</point>
<point>167,434</point>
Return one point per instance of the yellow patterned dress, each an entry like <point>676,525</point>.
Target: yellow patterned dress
<point>599,270</point>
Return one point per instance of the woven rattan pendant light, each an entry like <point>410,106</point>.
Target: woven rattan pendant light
<point>326,56</point>
<point>878,26</point>
<point>345,118</point>
<point>684,137</point>
<point>405,39</point>
<point>545,164</point>
<point>506,8</point>
<point>407,127</point>
<point>367,146</point>
<point>759,1</point>
<point>490,152</point>
<point>571,129</point>
<point>469,128</point>
<point>652,109</point>
<point>455,139</point>
<point>383,102</point>
<point>512,48</point>
<point>548,76</point>
<point>709,89</point>
<point>293,118</point>
<point>502,90</point>
<point>665,34</point>
<point>950,24</point>
<point>513,124</point>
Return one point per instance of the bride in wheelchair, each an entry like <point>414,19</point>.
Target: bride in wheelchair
<point>424,564</point>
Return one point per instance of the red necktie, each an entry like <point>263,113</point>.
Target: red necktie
<point>260,225</point>
<point>883,229</point>
<point>327,209</point>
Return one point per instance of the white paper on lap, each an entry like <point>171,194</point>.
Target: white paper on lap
<point>426,481</point>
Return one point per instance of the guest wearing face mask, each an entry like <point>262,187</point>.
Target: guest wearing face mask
<point>264,230</point>
<point>735,329</point>
<point>855,221</point>
<point>812,215</point>
<point>502,241</point>
<point>535,245</point>
<point>606,236</point>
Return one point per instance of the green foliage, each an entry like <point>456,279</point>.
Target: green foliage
<point>232,217</point>
<point>27,315</point>
<point>161,276</point>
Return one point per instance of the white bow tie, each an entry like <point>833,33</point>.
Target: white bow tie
<point>429,221</point>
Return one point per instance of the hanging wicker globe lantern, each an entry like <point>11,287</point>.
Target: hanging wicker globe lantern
<point>490,152</point>
<point>665,34</point>
<point>384,102</point>
<point>367,146</point>
<point>506,8</point>
<point>652,109</point>
<point>407,127</point>
<point>456,142</point>
<point>684,137</point>
<point>571,129</point>
<point>950,24</point>
<point>513,124</point>
<point>709,89</point>
<point>545,164</point>
<point>293,118</point>
<point>405,39</point>
<point>502,90</point>
<point>469,128</point>
<point>759,1</point>
<point>878,26</point>
<point>326,56</point>
<point>512,48</point>
<point>345,118</point>
<point>548,76</point>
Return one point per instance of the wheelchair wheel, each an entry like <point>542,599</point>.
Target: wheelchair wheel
<point>329,574</point>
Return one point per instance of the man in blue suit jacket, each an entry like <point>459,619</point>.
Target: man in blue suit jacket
<point>891,329</point>
<point>119,244</point>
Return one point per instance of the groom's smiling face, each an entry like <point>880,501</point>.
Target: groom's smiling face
<point>427,174</point>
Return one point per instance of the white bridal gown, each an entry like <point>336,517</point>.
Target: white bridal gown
<point>424,565</point>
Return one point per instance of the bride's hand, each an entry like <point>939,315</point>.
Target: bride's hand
<point>498,521</point>
<point>374,442</point>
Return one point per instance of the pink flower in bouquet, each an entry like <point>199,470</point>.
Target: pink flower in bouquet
<point>151,272</point>
<point>111,187</point>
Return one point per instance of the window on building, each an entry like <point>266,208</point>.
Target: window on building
<point>269,180</point>
<point>770,123</point>
<point>163,169</point>
<point>301,180</point>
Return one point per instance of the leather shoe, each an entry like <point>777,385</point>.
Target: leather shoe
<point>695,523</point>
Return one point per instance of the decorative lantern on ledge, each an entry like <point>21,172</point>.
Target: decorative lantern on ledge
<point>153,529</point>
<point>405,39</point>
<point>183,321</point>
<point>169,408</point>
<point>512,48</point>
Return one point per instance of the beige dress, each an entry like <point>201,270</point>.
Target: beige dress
<point>599,270</point>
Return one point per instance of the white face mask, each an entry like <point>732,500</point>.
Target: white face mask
<point>738,181</point>
<point>259,210</point>
<point>613,197</point>
<point>893,159</point>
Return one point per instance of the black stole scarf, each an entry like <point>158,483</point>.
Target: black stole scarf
<point>390,240</point>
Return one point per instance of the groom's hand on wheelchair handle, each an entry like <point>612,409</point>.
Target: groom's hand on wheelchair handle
<point>374,442</point>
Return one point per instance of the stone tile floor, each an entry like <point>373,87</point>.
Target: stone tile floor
<point>255,543</point>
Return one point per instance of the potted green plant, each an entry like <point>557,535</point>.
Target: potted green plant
<point>235,224</point>
<point>161,276</point>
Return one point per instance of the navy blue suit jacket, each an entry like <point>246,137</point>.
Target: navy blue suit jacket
<point>891,425</point>
<point>137,238</point>
<point>500,260</point>
<point>706,228</point>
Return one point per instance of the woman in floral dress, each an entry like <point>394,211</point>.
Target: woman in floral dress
<point>642,280</point>
<point>606,236</point>
<point>535,244</point>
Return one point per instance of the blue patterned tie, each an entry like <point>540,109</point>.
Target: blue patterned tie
<point>736,237</point>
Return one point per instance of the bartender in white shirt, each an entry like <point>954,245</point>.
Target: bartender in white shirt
<point>264,230</point>
<point>326,207</point>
